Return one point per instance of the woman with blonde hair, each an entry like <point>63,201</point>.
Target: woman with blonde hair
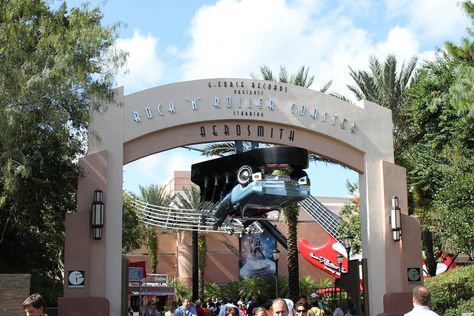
<point>260,311</point>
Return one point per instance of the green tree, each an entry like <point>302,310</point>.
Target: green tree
<point>155,195</point>
<point>291,220</point>
<point>462,89</point>
<point>441,155</point>
<point>133,228</point>
<point>180,289</point>
<point>190,198</point>
<point>230,291</point>
<point>56,66</point>
<point>202,256</point>
<point>386,86</point>
<point>350,218</point>
<point>211,291</point>
<point>307,286</point>
<point>455,204</point>
<point>252,285</point>
<point>152,245</point>
<point>301,78</point>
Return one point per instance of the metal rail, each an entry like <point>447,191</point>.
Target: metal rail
<point>321,214</point>
<point>200,219</point>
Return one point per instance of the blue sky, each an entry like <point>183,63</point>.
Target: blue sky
<point>175,40</point>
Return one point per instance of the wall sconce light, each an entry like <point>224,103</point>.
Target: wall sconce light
<point>97,214</point>
<point>395,219</point>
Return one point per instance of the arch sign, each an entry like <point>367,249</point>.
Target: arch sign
<point>226,109</point>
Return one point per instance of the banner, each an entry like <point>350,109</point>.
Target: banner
<point>256,255</point>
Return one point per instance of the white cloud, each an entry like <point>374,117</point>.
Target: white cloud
<point>432,20</point>
<point>144,67</point>
<point>234,38</point>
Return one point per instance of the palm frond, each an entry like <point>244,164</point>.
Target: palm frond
<point>219,149</point>
<point>301,78</point>
<point>189,199</point>
<point>283,75</point>
<point>267,73</point>
<point>326,87</point>
<point>156,195</point>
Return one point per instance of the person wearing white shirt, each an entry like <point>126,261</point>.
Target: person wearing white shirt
<point>421,302</point>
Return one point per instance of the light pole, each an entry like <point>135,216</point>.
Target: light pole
<point>348,238</point>
<point>339,259</point>
<point>276,256</point>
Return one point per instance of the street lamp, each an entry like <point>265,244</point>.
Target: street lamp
<point>339,259</point>
<point>276,256</point>
<point>348,238</point>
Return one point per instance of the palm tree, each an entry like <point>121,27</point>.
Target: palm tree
<point>291,220</point>
<point>158,196</point>
<point>190,199</point>
<point>252,286</point>
<point>383,85</point>
<point>181,290</point>
<point>307,286</point>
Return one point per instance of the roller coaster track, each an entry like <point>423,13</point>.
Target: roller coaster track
<point>200,219</point>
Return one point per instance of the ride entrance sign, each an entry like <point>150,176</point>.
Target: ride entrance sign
<point>151,121</point>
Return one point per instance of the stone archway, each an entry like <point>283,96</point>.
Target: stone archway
<point>200,111</point>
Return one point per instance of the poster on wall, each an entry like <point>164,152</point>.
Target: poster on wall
<point>256,255</point>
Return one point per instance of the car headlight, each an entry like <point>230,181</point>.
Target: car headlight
<point>244,175</point>
<point>303,180</point>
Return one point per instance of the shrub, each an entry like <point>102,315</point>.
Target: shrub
<point>451,289</point>
<point>211,291</point>
<point>464,307</point>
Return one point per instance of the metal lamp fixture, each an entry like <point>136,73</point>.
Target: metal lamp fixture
<point>395,219</point>
<point>340,259</point>
<point>97,214</point>
<point>348,238</point>
<point>276,254</point>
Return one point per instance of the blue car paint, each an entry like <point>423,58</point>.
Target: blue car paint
<point>266,195</point>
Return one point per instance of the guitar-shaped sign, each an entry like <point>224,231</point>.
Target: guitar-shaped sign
<point>325,256</point>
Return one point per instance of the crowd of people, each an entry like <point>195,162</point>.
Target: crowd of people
<point>252,307</point>
<point>35,305</point>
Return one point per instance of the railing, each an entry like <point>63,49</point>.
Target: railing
<point>321,214</point>
<point>200,219</point>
